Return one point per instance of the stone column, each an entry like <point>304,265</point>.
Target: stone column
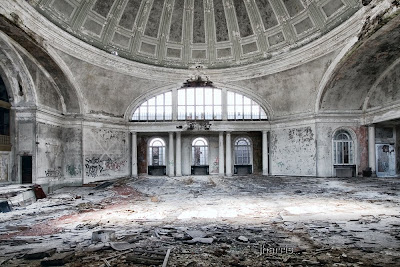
<point>178,160</point>
<point>264,153</point>
<point>371,149</point>
<point>134,155</point>
<point>171,161</point>
<point>228,155</point>
<point>221,161</point>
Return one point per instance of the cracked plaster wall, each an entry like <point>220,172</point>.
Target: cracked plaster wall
<point>59,155</point>
<point>106,153</point>
<point>107,92</point>
<point>293,151</point>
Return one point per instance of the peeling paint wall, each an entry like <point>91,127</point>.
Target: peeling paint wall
<point>293,151</point>
<point>106,153</point>
<point>397,149</point>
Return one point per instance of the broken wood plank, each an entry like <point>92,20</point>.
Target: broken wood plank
<point>166,258</point>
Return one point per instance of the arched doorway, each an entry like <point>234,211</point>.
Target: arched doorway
<point>156,162</point>
<point>343,154</point>
<point>200,156</point>
<point>243,159</point>
<point>5,141</point>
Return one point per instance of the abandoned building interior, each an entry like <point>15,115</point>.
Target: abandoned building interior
<point>168,95</point>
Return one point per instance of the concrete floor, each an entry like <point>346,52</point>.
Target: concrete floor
<point>211,221</point>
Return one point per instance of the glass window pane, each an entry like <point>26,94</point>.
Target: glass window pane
<point>208,112</point>
<point>340,153</point>
<point>231,112</point>
<point>151,113</point>
<point>160,100</point>
<point>247,112</point>
<point>168,113</point>
<point>231,98</point>
<point>190,113</point>
<point>217,97</point>
<point>160,113</point>
<point>199,113</point>
<point>168,98</point>
<point>181,112</point>
<point>135,116</point>
<point>239,112</point>
<point>152,101</point>
<point>181,97</point>
<point>199,96</point>
<point>190,96</point>
<point>217,112</point>
<point>246,101</point>
<point>263,115</point>
<point>208,96</point>
<point>143,113</point>
<point>255,112</point>
<point>239,99</point>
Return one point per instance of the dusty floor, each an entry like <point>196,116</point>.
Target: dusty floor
<point>210,221</point>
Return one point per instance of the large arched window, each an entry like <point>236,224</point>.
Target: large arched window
<point>199,152</point>
<point>241,107</point>
<point>242,151</point>
<point>343,148</point>
<point>157,152</point>
<point>158,108</point>
<point>199,103</point>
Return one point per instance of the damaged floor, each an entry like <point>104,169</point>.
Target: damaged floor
<point>209,221</point>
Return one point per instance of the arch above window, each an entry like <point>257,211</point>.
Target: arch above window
<point>342,135</point>
<point>199,142</point>
<point>157,142</point>
<point>199,103</point>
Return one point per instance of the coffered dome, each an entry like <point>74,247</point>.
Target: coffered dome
<point>183,33</point>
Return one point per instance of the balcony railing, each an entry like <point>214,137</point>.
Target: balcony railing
<point>5,140</point>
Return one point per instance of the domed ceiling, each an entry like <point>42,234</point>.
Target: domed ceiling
<point>184,33</point>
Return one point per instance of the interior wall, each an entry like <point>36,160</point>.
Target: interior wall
<point>106,153</point>
<point>293,151</point>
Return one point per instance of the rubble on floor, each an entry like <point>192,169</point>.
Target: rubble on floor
<point>209,221</point>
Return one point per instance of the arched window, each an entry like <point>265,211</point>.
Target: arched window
<point>157,152</point>
<point>241,107</point>
<point>158,108</point>
<point>242,151</point>
<point>343,148</point>
<point>199,103</point>
<point>199,152</point>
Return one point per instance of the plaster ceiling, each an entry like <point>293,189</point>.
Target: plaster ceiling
<point>186,33</point>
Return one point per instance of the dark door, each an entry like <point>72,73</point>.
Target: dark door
<point>26,169</point>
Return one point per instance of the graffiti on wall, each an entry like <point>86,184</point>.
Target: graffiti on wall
<point>53,172</point>
<point>100,167</point>
<point>73,170</point>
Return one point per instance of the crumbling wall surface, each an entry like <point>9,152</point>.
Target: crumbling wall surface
<point>73,168</point>
<point>293,151</point>
<point>362,148</point>
<point>397,151</point>
<point>50,153</point>
<point>106,153</point>
<point>46,92</point>
<point>59,155</point>
<point>387,91</point>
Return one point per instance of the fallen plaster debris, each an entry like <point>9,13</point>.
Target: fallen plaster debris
<point>245,221</point>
